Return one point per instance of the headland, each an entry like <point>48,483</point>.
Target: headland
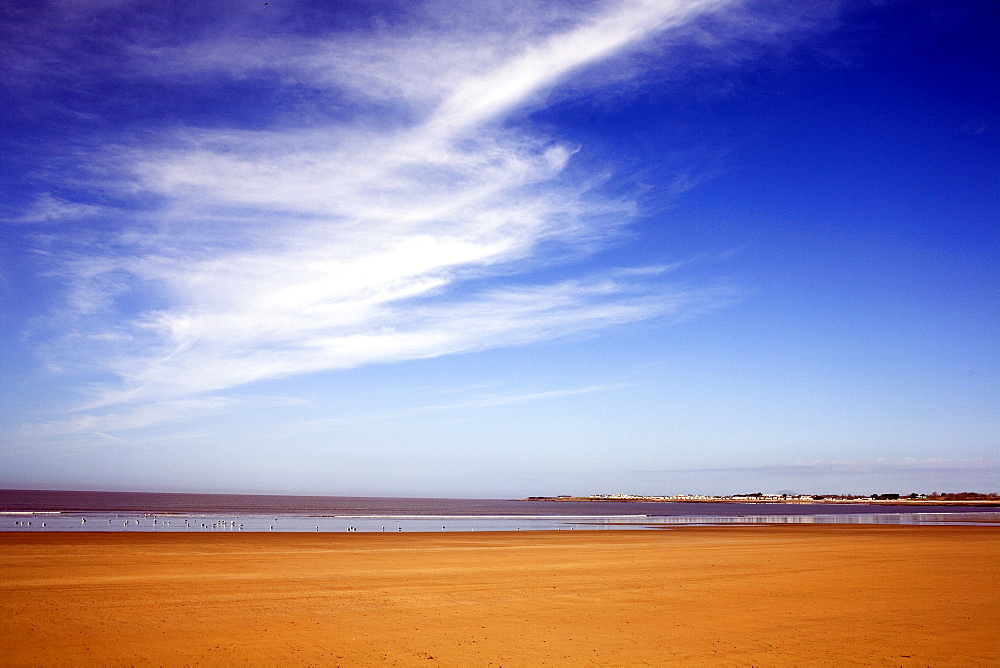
<point>887,499</point>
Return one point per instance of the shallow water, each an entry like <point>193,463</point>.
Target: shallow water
<point>22,510</point>
<point>73,521</point>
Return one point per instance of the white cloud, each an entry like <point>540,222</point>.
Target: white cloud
<point>476,400</point>
<point>129,419</point>
<point>299,249</point>
<point>510,84</point>
<point>46,209</point>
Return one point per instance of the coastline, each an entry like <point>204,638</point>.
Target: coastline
<point>765,595</point>
<point>984,503</point>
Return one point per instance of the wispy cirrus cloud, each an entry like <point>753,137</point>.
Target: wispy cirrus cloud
<point>402,228</point>
<point>479,400</point>
<point>48,209</point>
<point>129,419</point>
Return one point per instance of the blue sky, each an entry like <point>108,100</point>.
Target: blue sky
<point>500,248</point>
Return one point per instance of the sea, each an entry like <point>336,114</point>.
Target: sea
<point>48,510</point>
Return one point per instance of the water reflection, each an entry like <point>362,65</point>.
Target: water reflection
<point>147,522</point>
<point>937,519</point>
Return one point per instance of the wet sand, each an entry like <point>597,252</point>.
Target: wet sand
<point>757,595</point>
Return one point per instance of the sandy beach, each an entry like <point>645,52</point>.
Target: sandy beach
<point>755,595</point>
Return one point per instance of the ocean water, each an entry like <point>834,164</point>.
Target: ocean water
<point>34,510</point>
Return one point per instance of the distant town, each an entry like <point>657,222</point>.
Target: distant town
<point>957,498</point>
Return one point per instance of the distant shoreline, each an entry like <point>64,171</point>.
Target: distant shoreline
<point>994,502</point>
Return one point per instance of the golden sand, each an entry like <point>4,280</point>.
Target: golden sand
<point>829,595</point>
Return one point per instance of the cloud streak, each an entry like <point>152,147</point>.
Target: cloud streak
<point>476,401</point>
<point>402,230</point>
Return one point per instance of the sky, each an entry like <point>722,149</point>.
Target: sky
<point>500,248</point>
